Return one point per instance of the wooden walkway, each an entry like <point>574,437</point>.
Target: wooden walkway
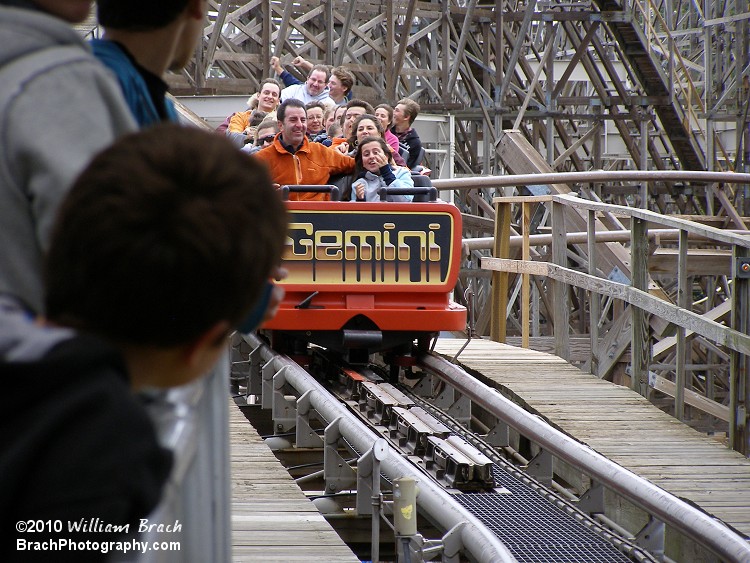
<point>619,424</point>
<point>272,521</point>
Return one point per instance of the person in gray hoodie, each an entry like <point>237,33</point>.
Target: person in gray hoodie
<point>58,107</point>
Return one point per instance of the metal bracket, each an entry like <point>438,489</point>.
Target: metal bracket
<point>256,378</point>
<point>449,547</point>
<point>453,544</point>
<point>651,537</point>
<point>446,398</point>
<point>239,375</point>
<point>420,550</point>
<point>425,387</point>
<point>306,437</point>
<point>283,411</point>
<point>541,467</point>
<point>368,470</point>
<point>499,435</point>
<point>337,473</point>
<point>267,373</point>
<point>592,501</point>
<point>461,410</point>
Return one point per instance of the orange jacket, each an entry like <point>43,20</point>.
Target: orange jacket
<point>313,164</point>
<point>336,141</point>
<point>239,121</point>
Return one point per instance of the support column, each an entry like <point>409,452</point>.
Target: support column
<point>739,367</point>
<point>640,349</point>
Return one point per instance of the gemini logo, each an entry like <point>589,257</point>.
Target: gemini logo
<point>368,247</point>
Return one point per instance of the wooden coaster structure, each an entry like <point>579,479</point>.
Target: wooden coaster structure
<point>540,86</point>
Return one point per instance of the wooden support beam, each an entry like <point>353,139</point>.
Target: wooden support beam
<point>561,313</point>
<point>213,39</point>
<point>398,62</point>
<point>729,208</point>
<point>525,286</point>
<point>500,279</point>
<point>684,293</point>
<point>718,333</point>
<point>668,344</point>
<point>691,398</point>
<point>459,55</point>
<point>594,298</point>
<point>344,35</point>
<point>640,349</point>
<point>700,262</point>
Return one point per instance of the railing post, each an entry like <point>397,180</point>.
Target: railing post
<point>501,249</point>
<point>739,367</point>
<point>594,298</point>
<point>560,289</point>
<point>640,348</point>
<point>525,289</point>
<point>683,291</point>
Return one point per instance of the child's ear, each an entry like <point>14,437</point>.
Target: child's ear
<point>203,349</point>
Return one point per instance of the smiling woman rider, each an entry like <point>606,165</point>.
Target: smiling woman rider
<point>368,125</point>
<point>374,168</point>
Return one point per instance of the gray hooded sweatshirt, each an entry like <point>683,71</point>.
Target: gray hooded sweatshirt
<point>22,340</point>
<point>57,111</point>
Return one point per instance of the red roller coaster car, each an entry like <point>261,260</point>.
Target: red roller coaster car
<point>369,276</point>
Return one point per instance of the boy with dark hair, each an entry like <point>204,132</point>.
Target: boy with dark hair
<point>142,40</point>
<point>404,114</point>
<point>163,247</point>
<point>340,85</point>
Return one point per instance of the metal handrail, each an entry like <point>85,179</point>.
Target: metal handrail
<point>699,526</point>
<point>483,545</point>
<point>708,177</point>
<point>193,421</point>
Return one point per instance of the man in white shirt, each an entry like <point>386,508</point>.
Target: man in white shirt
<point>313,90</point>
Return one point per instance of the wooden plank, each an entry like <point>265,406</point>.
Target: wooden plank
<point>672,221</point>
<point>272,520</point>
<point>639,348</point>
<point>500,279</point>
<point>700,262</point>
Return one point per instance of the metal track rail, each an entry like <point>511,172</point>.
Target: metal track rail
<point>530,522</point>
<point>668,509</point>
<point>506,472</point>
<point>477,540</point>
<point>533,521</point>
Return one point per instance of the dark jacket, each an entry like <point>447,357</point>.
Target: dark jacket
<point>410,141</point>
<point>75,442</point>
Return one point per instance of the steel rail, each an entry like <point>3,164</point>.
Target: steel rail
<point>695,524</point>
<point>702,177</point>
<point>476,538</point>
<point>516,241</point>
